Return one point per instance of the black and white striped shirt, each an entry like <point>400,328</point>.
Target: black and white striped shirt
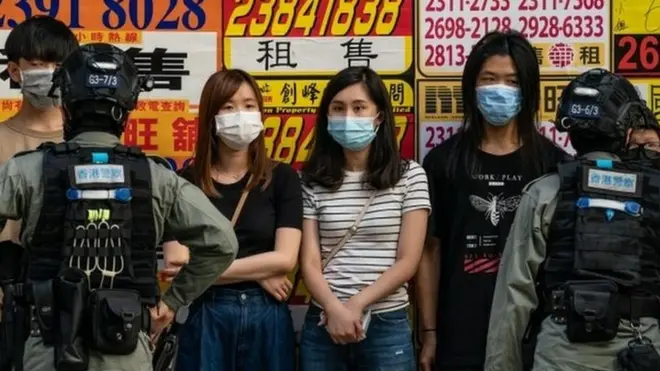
<point>372,250</point>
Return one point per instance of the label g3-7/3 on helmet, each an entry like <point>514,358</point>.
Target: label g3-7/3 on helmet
<point>597,108</point>
<point>99,80</point>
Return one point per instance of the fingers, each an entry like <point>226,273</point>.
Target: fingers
<point>288,284</point>
<point>283,293</point>
<point>336,339</point>
<point>273,291</point>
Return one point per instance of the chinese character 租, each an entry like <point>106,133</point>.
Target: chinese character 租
<point>289,93</point>
<point>311,92</point>
<point>282,56</point>
<point>147,134</point>
<point>589,55</point>
<point>607,180</point>
<point>184,133</point>
<point>358,53</point>
<point>396,93</point>
<point>167,69</point>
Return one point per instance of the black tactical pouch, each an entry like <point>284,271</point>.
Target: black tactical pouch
<point>118,316</point>
<point>592,313</point>
<point>639,356</point>
<point>44,309</point>
<point>71,290</point>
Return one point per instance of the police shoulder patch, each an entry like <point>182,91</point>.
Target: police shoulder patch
<point>612,181</point>
<point>93,174</point>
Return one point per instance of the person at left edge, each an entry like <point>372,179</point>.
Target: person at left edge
<point>93,212</point>
<point>243,323</point>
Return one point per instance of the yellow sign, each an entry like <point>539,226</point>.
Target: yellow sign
<point>312,18</point>
<point>439,101</point>
<point>550,94</point>
<point>635,17</point>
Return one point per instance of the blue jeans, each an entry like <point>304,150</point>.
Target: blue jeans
<point>388,346</point>
<point>232,330</point>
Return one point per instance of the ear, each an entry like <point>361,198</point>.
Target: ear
<point>379,119</point>
<point>14,72</point>
<point>628,136</point>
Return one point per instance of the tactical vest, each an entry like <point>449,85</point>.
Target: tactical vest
<point>97,215</point>
<point>606,226</point>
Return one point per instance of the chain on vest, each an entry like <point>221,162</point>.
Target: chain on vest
<point>606,226</point>
<point>97,216</point>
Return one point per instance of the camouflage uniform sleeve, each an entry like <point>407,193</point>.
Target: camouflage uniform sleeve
<point>515,296</point>
<point>196,223</point>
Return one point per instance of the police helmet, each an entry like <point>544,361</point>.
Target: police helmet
<point>99,80</point>
<point>597,108</point>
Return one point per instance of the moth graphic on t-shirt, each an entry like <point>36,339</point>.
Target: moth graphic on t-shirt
<point>495,206</point>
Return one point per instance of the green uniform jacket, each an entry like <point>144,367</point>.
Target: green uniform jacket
<point>177,204</point>
<point>515,296</point>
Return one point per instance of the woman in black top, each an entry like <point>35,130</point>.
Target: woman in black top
<point>243,322</point>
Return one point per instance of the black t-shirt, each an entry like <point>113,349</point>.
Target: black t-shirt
<point>279,205</point>
<point>472,216</point>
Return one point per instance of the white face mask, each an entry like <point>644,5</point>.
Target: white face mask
<point>238,129</point>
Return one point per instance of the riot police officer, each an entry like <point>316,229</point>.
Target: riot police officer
<point>93,212</point>
<point>584,249</point>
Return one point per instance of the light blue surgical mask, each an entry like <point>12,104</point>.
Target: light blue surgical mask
<point>498,103</point>
<point>352,133</point>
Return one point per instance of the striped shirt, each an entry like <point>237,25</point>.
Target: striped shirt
<point>372,249</point>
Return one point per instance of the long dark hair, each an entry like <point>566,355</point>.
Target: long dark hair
<point>326,162</point>
<point>535,146</point>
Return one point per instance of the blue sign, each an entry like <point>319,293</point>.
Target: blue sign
<point>106,174</point>
<point>612,181</point>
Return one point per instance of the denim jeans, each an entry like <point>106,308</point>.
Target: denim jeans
<point>237,330</point>
<point>388,346</point>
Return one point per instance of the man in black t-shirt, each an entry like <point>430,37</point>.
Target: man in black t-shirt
<point>475,182</point>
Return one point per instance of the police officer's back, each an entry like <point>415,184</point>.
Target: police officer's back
<point>93,213</point>
<point>588,237</point>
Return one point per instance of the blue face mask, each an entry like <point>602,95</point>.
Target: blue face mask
<point>352,133</point>
<point>498,103</point>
